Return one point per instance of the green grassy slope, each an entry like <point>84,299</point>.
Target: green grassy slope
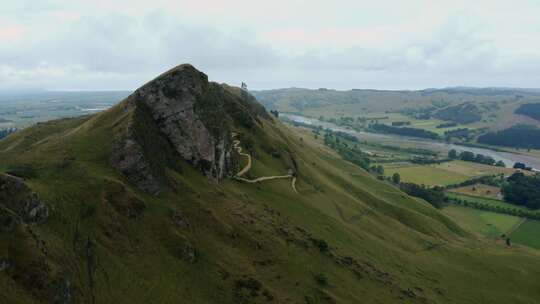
<point>345,238</point>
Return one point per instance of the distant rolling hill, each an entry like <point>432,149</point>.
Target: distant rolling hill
<point>491,108</point>
<point>142,203</point>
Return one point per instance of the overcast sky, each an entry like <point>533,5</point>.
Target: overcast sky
<point>56,44</point>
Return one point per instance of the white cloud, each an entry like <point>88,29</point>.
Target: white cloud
<point>384,44</point>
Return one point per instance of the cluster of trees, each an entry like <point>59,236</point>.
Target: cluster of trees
<point>523,190</point>
<point>434,195</point>
<point>521,136</point>
<point>409,150</point>
<point>404,131</point>
<point>6,132</point>
<point>476,158</point>
<point>396,178</point>
<point>339,141</point>
<point>401,123</point>
<point>346,146</point>
<point>305,125</point>
<point>463,133</point>
<point>522,166</point>
<point>497,208</point>
<point>463,113</point>
<point>447,125</point>
<point>347,121</point>
<point>345,136</point>
<point>275,113</point>
<point>427,160</point>
<point>419,113</point>
<point>491,180</point>
<point>377,170</point>
<point>530,109</point>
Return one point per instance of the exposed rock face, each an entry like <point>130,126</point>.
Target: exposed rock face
<point>18,203</point>
<point>4,264</point>
<point>193,116</point>
<point>179,219</point>
<point>172,98</point>
<point>128,158</point>
<point>188,252</point>
<point>178,102</point>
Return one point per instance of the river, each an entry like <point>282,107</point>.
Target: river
<point>390,139</point>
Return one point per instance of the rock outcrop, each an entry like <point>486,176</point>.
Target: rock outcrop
<point>128,158</point>
<point>181,114</point>
<point>19,204</point>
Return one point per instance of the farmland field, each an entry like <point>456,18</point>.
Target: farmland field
<point>479,190</point>
<point>474,169</point>
<point>486,223</point>
<point>445,173</point>
<point>528,234</point>
<point>427,175</point>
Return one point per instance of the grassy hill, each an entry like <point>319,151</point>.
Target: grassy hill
<point>345,237</point>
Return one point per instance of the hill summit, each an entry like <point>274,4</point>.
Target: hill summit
<point>181,114</point>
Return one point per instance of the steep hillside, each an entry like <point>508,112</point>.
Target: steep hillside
<point>144,203</point>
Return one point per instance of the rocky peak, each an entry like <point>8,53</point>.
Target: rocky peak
<point>195,118</point>
<point>173,100</point>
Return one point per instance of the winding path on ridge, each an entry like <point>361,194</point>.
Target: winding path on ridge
<point>247,167</point>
